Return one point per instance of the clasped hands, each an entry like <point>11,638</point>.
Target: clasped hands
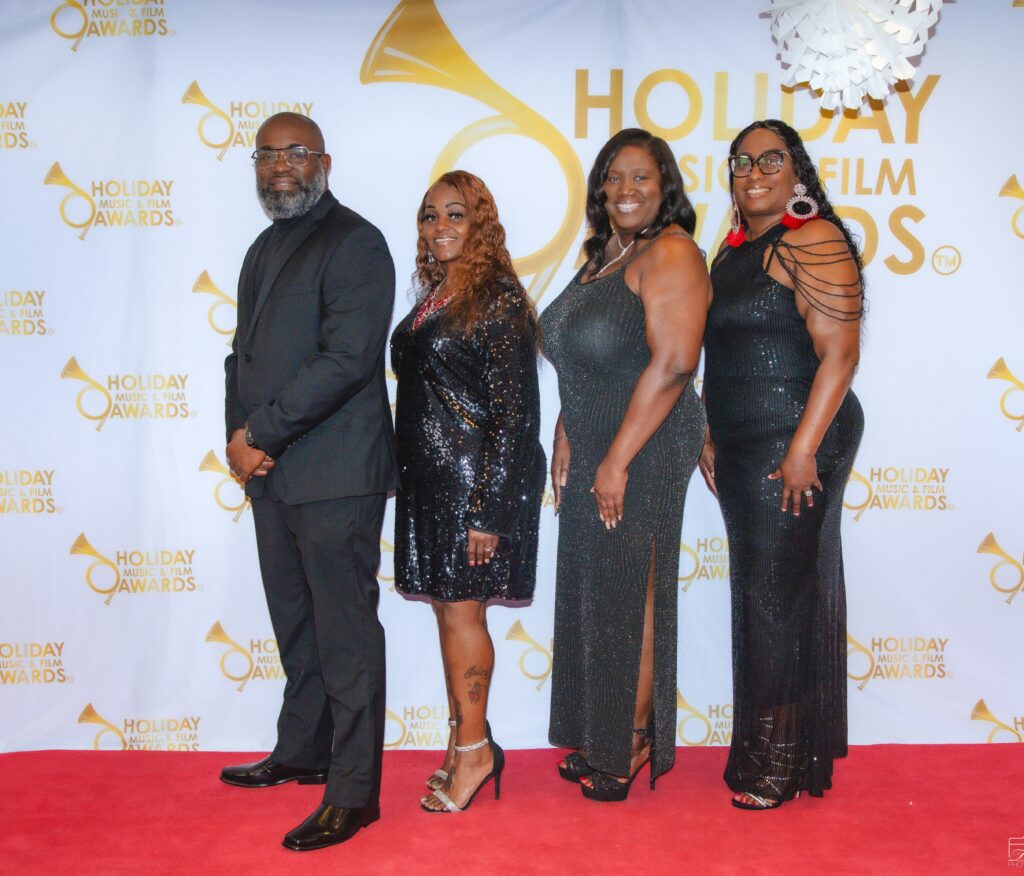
<point>244,461</point>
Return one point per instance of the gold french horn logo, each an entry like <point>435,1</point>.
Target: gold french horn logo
<point>981,712</point>
<point>853,647</point>
<point>218,636</point>
<point>55,176</point>
<point>989,545</point>
<point>194,95</point>
<point>1012,189</point>
<point>516,633</point>
<point>688,579</point>
<point>81,547</point>
<point>415,46</point>
<point>691,714</point>
<point>391,718</point>
<point>212,463</point>
<point>1000,371</point>
<point>206,286</point>
<point>91,716</point>
<point>76,11</point>
<point>858,480</point>
<point>73,371</point>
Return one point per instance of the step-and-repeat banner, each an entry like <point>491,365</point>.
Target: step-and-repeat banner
<point>132,609</point>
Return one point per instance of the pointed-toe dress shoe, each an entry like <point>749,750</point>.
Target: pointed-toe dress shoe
<point>329,825</point>
<point>268,772</point>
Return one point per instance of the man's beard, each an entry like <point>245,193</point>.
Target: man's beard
<point>290,204</point>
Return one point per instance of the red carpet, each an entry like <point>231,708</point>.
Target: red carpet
<point>894,810</point>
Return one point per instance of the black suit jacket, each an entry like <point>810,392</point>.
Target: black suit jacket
<point>307,363</point>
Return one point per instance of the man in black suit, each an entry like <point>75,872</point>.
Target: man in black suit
<point>309,433</point>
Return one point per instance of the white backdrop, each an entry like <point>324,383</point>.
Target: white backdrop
<point>132,612</point>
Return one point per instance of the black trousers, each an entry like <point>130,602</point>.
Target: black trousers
<point>319,562</point>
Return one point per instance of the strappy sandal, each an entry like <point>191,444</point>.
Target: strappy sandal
<point>496,769</point>
<point>437,779</point>
<point>574,767</point>
<point>608,788</point>
<point>759,803</point>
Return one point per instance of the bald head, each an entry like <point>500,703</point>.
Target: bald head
<point>290,129</point>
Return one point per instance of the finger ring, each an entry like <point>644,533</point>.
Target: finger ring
<point>490,550</point>
<point>808,492</point>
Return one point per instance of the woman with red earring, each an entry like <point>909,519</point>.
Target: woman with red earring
<point>781,347</point>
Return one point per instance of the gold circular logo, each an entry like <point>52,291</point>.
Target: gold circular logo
<point>946,260</point>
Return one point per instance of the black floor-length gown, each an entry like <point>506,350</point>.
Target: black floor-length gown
<point>467,426</point>
<point>594,334</point>
<point>788,593</point>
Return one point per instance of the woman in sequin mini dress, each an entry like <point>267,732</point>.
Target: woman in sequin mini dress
<point>625,339</point>
<point>471,466</point>
<point>781,347</point>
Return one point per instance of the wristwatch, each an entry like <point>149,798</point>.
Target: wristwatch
<point>248,437</point>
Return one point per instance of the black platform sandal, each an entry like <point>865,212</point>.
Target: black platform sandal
<point>574,767</point>
<point>607,788</point>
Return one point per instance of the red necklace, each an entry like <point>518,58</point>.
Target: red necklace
<point>431,304</point>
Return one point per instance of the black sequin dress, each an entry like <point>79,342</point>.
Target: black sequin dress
<point>594,334</point>
<point>788,595</point>
<point>467,425</point>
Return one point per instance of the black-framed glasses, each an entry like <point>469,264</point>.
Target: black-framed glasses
<point>770,161</point>
<point>294,156</point>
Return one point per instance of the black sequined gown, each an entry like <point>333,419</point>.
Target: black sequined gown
<point>467,425</point>
<point>788,595</point>
<point>594,334</point>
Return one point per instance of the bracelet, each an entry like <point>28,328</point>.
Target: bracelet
<point>561,437</point>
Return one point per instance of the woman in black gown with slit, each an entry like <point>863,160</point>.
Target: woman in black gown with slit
<point>781,347</point>
<point>625,339</point>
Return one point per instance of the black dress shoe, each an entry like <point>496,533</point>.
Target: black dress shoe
<point>268,772</point>
<point>329,825</point>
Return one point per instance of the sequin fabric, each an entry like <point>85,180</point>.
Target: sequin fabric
<point>788,593</point>
<point>467,425</point>
<point>594,334</point>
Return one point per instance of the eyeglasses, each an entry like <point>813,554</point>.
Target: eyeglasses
<point>294,156</point>
<point>768,162</point>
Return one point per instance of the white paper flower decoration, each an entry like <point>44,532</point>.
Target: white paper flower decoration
<point>849,49</point>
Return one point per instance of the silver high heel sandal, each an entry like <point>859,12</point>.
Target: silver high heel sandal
<point>496,769</point>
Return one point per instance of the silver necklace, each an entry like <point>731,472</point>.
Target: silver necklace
<point>624,249</point>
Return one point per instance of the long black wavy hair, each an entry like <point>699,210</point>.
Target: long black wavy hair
<point>806,173</point>
<point>675,206</point>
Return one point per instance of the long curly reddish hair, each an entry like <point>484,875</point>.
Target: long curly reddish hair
<point>484,270</point>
